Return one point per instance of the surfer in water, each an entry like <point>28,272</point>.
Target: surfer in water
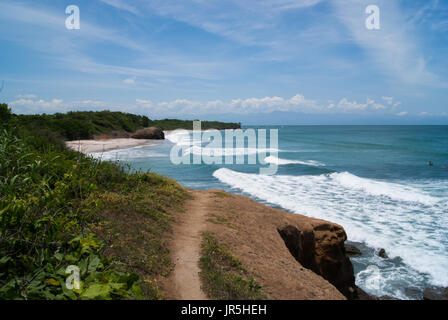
<point>430,164</point>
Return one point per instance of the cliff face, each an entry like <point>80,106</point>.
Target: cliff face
<point>319,246</point>
<point>291,256</point>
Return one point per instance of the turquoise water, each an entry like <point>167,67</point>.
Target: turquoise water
<point>373,180</point>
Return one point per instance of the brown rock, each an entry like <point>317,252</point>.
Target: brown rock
<point>115,134</point>
<point>319,246</point>
<point>255,240</point>
<point>352,251</point>
<point>435,294</point>
<point>149,133</point>
<point>362,295</point>
<point>382,253</point>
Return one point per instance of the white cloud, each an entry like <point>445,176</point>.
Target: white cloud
<point>389,100</point>
<point>297,103</point>
<point>433,114</point>
<point>249,22</point>
<point>26,96</point>
<point>403,113</point>
<point>129,81</point>
<point>121,5</point>
<point>36,106</point>
<point>394,48</point>
<point>348,106</point>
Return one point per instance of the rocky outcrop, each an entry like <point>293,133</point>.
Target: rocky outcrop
<point>149,133</point>
<point>352,251</point>
<point>115,134</point>
<point>251,234</point>
<point>319,246</point>
<point>435,294</point>
<point>382,253</point>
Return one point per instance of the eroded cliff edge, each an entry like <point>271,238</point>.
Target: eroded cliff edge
<point>290,255</point>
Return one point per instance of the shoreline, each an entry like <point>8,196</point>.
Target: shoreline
<point>284,232</point>
<point>125,143</point>
<point>92,146</point>
<point>103,145</point>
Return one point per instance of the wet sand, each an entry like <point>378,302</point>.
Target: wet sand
<point>89,146</point>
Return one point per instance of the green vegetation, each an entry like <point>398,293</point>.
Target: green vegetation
<point>61,208</point>
<point>173,124</point>
<point>221,194</point>
<point>83,125</point>
<point>217,219</point>
<point>133,218</point>
<point>222,274</point>
<point>88,124</point>
<point>5,113</point>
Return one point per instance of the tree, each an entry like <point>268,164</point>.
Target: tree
<point>145,121</point>
<point>5,113</point>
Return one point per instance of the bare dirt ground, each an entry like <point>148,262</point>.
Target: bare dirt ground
<point>184,282</point>
<point>249,229</point>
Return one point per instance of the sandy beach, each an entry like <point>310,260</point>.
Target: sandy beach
<point>90,146</point>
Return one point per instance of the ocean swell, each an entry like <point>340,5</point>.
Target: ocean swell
<point>404,219</point>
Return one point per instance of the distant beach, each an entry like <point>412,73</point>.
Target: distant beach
<point>90,146</point>
<point>372,180</point>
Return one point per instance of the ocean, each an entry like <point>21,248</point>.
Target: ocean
<point>375,181</point>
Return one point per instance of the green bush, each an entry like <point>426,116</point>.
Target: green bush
<point>83,125</point>
<point>5,113</point>
<point>45,216</point>
<point>222,274</point>
<point>173,124</point>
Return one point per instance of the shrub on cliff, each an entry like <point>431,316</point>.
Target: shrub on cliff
<point>5,113</point>
<point>83,125</point>
<point>51,205</point>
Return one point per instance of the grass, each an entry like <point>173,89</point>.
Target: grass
<point>222,274</point>
<point>134,219</point>
<point>217,219</point>
<point>60,208</point>
<point>221,194</point>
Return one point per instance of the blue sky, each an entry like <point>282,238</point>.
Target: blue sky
<point>261,62</point>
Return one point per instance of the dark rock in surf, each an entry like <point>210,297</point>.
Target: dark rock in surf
<point>352,251</point>
<point>387,298</point>
<point>382,253</point>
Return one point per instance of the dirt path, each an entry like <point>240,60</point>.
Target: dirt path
<point>184,282</point>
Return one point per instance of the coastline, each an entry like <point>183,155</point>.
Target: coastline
<point>366,254</point>
<point>91,146</point>
<point>275,264</point>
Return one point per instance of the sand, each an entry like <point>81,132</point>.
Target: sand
<point>90,146</point>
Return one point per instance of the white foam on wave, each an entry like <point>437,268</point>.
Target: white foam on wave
<point>185,138</point>
<point>280,162</point>
<point>380,188</point>
<point>220,152</point>
<point>404,219</point>
<point>139,152</point>
<point>182,138</point>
